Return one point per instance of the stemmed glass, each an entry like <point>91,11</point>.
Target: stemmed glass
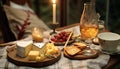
<point>89,25</point>
<point>89,32</point>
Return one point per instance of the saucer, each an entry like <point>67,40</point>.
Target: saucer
<point>110,52</point>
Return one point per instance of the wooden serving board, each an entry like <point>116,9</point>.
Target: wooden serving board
<point>12,57</point>
<point>81,56</point>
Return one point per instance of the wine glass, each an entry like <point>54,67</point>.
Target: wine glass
<point>89,25</point>
<point>88,33</point>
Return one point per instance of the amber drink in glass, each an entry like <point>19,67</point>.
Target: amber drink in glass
<point>88,31</point>
<point>88,25</point>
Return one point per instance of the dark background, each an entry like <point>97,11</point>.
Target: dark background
<point>74,11</point>
<point>43,8</point>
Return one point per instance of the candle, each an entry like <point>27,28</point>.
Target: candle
<point>54,11</point>
<point>37,35</point>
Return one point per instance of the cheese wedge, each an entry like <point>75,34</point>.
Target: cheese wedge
<point>23,48</point>
<point>40,48</point>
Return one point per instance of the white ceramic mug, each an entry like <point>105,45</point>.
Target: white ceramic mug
<point>109,42</point>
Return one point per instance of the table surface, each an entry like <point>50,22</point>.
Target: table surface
<point>114,59</point>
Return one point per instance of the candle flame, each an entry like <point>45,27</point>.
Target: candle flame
<point>53,1</point>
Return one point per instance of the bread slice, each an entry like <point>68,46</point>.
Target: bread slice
<point>72,50</point>
<point>80,45</point>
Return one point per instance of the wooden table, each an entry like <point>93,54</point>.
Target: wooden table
<point>114,59</point>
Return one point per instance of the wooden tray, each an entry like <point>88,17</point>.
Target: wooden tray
<point>12,57</point>
<point>80,56</point>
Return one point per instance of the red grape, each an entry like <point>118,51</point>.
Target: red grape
<point>61,37</point>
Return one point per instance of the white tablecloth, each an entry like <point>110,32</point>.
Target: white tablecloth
<point>63,63</point>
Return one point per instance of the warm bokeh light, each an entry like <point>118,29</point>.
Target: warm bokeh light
<point>53,1</point>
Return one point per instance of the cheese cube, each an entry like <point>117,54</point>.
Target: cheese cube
<point>50,52</point>
<point>51,49</point>
<point>32,55</point>
<point>40,58</point>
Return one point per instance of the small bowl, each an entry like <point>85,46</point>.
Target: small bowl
<point>61,43</point>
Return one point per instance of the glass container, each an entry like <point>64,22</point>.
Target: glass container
<point>89,25</point>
